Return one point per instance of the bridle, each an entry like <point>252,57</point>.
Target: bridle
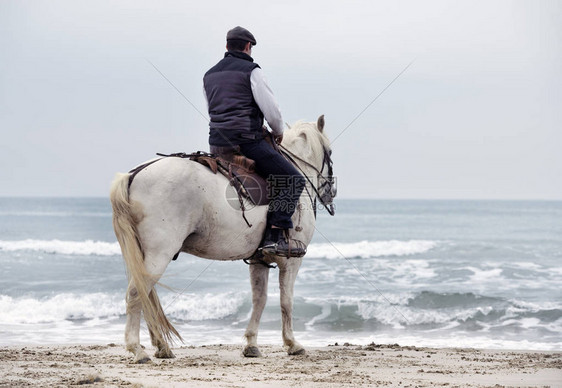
<point>325,199</point>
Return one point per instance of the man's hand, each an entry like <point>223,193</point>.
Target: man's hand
<point>278,139</point>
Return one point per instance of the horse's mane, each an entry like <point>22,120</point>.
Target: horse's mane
<point>309,131</point>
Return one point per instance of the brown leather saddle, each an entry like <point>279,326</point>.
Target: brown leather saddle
<point>240,171</point>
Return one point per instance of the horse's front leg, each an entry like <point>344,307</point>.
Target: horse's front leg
<point>288,271</point>
<point>259,276</point>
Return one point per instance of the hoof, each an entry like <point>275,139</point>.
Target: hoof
<point>142,358</point>
<point>251,351</point>
<point>296,351</point>
<point>164,353</point>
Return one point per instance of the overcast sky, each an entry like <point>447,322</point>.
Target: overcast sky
<point>477,115</point>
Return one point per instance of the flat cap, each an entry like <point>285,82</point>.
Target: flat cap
<point>241,34</point>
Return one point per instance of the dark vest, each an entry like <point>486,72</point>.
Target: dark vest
<point>235,116</point>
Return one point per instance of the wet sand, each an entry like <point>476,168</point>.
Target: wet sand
<point>333,366</point>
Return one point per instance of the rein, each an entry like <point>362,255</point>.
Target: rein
<point>327,160</point>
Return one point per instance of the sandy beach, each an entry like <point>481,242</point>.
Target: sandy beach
<point>333,366</point>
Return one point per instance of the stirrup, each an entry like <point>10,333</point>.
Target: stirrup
<point>285,247</point>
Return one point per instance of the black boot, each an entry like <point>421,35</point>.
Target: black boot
<point>277,242</point>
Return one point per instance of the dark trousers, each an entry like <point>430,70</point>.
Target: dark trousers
<point>285,183</point>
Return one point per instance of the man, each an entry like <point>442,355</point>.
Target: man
<point>238,99</point>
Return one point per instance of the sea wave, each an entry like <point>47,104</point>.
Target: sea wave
<point>88,247</point>
<point>196,307</point>
<point>70,306</point>
<point>363,249</point>
<point>62,214</point>
<point>366,249</point>
<point>420,312</point>
<point>30,310</point>
<point>432,310</point>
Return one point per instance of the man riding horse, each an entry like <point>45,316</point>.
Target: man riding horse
<point>239,99</point>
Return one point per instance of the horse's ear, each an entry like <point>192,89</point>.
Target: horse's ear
<point>320,123</point>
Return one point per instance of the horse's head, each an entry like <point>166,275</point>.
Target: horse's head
<point>309,142</point>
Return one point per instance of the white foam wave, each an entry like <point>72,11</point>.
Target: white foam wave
<point>366,249</point>
<point>59,308</point>
<point>485,275</point>
<point>409,273</point>
<point>535,306</point>
<point>88,247</point>
<point>399,316</point>
<point>363,249</point>
<point>67,306</point>
<point>54,214</point>
<point>395,310</point>
<point>400,299</point>
<point>196,307</point>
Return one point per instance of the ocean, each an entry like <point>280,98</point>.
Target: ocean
<point>480,274</point>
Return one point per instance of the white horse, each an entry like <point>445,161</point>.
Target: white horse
<point>177,205</point>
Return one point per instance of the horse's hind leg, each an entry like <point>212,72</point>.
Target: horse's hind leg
<point>162,348</point>
<point>155,265</point>
<point>287,274</point>
<point>132,328</point>
<point>259,276</point>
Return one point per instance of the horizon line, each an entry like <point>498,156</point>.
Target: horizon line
<point>337,199</point>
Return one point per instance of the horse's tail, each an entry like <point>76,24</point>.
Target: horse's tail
<point>125,219</point>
